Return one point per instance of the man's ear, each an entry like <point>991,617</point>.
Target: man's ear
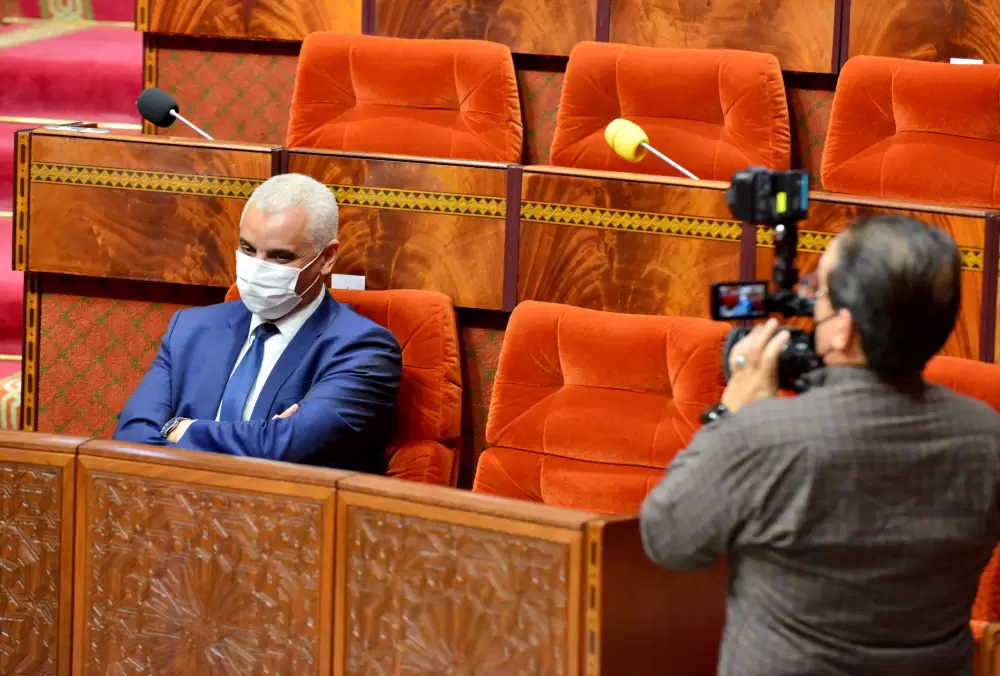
<point>844,333</point>
<point>329,258</point>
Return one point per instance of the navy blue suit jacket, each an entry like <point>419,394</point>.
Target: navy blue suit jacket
<point>342,369</point>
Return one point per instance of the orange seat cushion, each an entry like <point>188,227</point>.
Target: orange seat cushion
<point>915,130</point>
<point>712,111</point>
<point>436,98</point>
<point>589,407</point>
<point>429,407</point>
<point>978,380</point>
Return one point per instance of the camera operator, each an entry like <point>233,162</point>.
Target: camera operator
<point>858,516</point>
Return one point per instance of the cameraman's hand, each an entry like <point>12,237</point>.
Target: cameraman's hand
<point>753,366</point>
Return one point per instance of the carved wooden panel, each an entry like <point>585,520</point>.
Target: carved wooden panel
<point>430,590</point>
<point>36,544</point>
<point>196,572</point>
<point>418,225</point>
<point>624,244</point>
<point>929,30</point>
<point>799,32</point>
<point>826,218</point>
<point>249,19</point>
<point>526,26</point>
<point>139,208</point>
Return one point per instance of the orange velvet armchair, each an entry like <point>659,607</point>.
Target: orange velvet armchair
<point>979,380</point>
<point>589,407</point>
<point>915,130</point>
<point>712,111</point>
<point>436,98</point>
<point>430,393</point>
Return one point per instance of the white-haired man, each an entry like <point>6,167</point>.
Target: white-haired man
<point>284,373</point>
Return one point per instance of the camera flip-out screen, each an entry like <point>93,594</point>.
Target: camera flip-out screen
<point>739,300</point>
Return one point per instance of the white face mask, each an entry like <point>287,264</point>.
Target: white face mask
<point>268,289</point>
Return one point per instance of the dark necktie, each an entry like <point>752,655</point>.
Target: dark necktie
<point>234,399</point>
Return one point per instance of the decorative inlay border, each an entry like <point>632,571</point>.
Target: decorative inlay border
<point>811,241</point>
<point>146,181</point>
<point>631,221</point>
<point>419,200</point>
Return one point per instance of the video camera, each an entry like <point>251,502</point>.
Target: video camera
<point>779,199</point>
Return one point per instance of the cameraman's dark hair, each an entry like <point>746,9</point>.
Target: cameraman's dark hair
<point>901,281</point>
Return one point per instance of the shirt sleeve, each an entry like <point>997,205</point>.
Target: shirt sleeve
<point>699,507</point>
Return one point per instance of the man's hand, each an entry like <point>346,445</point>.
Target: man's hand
<point>179,431</point>
<point>753,366</point>
<point>287,413</point>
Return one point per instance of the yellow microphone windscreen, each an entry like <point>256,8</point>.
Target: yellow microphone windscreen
<point>625,138</point>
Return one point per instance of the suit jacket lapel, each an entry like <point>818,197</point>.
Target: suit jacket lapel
<point>293,355</point>
<point>216,372</point>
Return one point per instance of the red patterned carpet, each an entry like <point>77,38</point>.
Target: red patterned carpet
<point>57,72</point>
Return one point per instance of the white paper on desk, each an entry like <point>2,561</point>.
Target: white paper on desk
<point>967,62</point>
<point>348,282</point>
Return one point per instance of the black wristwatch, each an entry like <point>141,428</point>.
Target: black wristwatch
<point>170,426</point>
<point>713,413</point>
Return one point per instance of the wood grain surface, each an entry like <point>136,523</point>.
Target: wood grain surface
<point>525,26</point>
<point>36,552</point>
<point>929,30</point>
<point>116,208</point>
<point>624,244</point>
<point>799,32</point>
<point>250,19</point>
<point>422,588</point>
<point>827,218</point>
<point>187,571</point>
<point>417,225</point>
<point>640,617</point>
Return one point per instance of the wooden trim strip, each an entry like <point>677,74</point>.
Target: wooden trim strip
<point>144,181</point>
<point>592,599</point>
<point>30,348</point>
<point>991,268</point>
<point>19,228</point>
<point>512,239</point>
<point>10,357</point>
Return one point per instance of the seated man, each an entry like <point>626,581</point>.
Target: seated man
<point>858,516</point>
<point>286,372</point>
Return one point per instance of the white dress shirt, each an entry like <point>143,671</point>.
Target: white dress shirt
<point>287,327</point>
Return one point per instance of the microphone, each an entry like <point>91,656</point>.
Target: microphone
<point>630,142</point>
<point>159,107</point>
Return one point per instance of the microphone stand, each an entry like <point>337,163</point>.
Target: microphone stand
<point>180,117</point>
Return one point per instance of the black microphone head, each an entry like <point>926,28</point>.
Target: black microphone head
<point>155,105</point>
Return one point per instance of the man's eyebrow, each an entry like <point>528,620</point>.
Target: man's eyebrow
<point>247,244</point>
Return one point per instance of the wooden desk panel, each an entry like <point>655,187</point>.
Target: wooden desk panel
<point>445,577</point>
<point>525,26</point>
<point>138,208</point>
<point>831,214</point>
<point>641,617</point>
<point>181,569</point>
<point>248,19</point>
<point>925,29</point>
<point>799,32</point>
<point>407,223</point>
<point>36,551</point>
<point>624,242</point>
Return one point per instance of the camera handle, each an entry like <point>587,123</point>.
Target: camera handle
<point>786,241</point>
<point>786,276</point>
